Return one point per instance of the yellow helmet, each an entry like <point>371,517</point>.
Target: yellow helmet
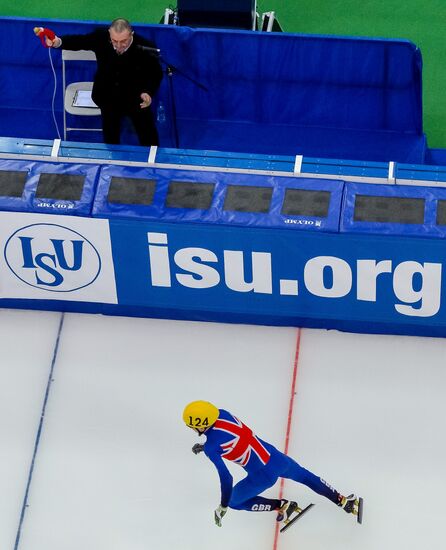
<point>200,415</point>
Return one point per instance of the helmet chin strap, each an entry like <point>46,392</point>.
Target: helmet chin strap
<point>201,431</point>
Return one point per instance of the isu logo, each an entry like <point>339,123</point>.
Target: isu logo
<point>52,257</point>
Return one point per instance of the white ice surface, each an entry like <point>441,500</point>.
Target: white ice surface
<point>114,469</point>
<point>370,417</point>
<point>26,348</point>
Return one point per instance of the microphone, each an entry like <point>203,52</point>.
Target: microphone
<point>42,32</point>
<point>148,49</point>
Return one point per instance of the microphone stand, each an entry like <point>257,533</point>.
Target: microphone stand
<point>170,71</point>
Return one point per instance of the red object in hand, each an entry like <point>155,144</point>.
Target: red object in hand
<point>43,33</point>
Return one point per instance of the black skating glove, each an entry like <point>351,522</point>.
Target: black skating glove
<point>197,448</point>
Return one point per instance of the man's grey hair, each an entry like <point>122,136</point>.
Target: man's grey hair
<point>121,25</point>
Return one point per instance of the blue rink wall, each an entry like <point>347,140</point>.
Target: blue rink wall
<point>352,98</point>
<point>217,264</point>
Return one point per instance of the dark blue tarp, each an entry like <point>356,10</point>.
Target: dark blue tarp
<point>428,198</point>
<point>265,92</point>
<point>31,200</point>
<point>218,213</point>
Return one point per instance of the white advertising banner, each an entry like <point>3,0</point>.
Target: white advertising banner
<point>50,257</point>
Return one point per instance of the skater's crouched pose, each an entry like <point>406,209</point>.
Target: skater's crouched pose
<point>228,438</point>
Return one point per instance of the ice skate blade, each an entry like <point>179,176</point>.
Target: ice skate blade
<point>360,510</point>
<point>298,516</point>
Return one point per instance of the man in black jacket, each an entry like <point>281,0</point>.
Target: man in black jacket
<point>128,75</point>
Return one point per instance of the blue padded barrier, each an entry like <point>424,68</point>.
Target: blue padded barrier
<point>353,170</point>
<point>416,173</point>
<point>131,153</point>
<point>20,201</point>
<point>359,283</point>
<point>87,175</point>
<point>439,213</point>
<point>218,212</point>
<point>102,151</point>
<point>26,146</point>
<point>369,283</point>
<point>413,207</point>
<point>221,263</point>
<point>219,159</point>
<point>73,149</point>
<point>42,192</point>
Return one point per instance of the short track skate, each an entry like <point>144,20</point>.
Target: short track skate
<point>290,522</point>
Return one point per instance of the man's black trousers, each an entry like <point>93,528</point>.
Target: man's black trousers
<point>142,120</point>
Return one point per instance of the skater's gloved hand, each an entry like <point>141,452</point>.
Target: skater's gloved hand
<point>219,513</point>
<point>197,448</point>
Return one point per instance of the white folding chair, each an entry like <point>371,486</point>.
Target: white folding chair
<point>75,89</point>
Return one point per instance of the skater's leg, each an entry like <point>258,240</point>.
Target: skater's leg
<point>245,493</point>
<point>297,473</point>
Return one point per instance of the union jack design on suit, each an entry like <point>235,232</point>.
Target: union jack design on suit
<point>245,442</point>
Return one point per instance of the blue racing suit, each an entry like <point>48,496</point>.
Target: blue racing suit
<point>232,440</point>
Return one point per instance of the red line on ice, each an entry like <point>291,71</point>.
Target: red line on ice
<point>288,427</point>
